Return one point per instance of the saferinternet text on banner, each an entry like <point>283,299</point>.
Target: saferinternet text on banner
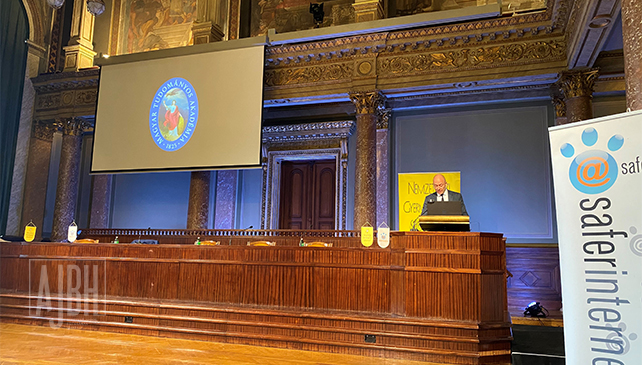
<point>597,175</point>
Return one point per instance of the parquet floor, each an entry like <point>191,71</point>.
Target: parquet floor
<point>20,344</point>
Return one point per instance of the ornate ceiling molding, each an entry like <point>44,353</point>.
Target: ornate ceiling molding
<point>66,80</point>
<point>466,59</point>
<point>349,48</point>
<point>524,23</point>
<point>308,132</point>
<point>589,24</point>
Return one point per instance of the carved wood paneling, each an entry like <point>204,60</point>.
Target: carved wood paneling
<point>535,277</point>
<point>430,297</point>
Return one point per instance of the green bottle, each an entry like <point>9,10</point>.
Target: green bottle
<point>116,240</point>
<point>301,242</point>
<point>198,241</point>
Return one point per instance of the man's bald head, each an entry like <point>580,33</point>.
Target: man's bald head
<point>439,183</point>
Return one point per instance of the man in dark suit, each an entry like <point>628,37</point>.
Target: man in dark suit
<point>442,194</point>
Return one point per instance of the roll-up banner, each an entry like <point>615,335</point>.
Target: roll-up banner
<point>597,173</point>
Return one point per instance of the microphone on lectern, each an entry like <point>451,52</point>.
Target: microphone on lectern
<point>413,224</point>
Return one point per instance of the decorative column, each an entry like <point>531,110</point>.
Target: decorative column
<point>67,188</point>
<point>79,52</point>
<point>208,25</point>
<point>100,201</point>
<point>365,190</point>
<point>367,10</point>
<point>382,166</point>
<point>199,200</point>
<point>35,190</point>
<point>225,212</point>
<point>558,103</point>
<point>577,88</point>
<point>632,34</point>
<point>206,29</point>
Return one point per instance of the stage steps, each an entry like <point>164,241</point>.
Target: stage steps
<point>454,342</point>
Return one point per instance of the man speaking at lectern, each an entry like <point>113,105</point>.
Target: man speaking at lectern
<point>442,194</point>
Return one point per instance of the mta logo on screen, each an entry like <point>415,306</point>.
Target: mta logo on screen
<point>593,171</point>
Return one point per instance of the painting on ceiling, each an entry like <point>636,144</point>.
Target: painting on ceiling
<point>155,24</point>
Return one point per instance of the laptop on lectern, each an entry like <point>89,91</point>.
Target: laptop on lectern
<point>444,216</point>
<point>443,208</point>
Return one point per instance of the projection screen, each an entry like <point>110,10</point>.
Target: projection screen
<point>168,110</point>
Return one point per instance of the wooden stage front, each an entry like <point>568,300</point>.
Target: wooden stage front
<point>438,297</point>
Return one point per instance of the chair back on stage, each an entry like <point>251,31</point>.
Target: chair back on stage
<point>261,243</point>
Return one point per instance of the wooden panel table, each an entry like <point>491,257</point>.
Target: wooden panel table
<point>429,296</point>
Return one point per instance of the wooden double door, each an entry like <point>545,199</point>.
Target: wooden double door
<point>308,194</point>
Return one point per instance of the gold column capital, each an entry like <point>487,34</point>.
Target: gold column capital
<point>368,102</point>
<point>73,126</point>
<point>575,83</point>
<point>557,98</point>
<point>43,130</point>
<point>384,117</point>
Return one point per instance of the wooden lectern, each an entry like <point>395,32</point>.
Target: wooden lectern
<point>445,223</point>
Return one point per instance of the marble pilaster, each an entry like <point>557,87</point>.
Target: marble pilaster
<point>36,175</point>
<point>226,187</point>
<point>632,36</point>
<point>100,201</point>
<point>383,167</point>
<point>365,191</point>
<point>577,88</point>
<point>199,200</point>
<point>22,143</point>
<point>68,176</point>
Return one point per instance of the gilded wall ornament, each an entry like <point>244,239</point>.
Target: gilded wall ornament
<point>456,59</point>
<point>364,68</point>
<point>48,101</point>
<point>305,75</point>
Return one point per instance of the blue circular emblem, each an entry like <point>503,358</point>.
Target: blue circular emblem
<point>593,172</point>
<point>173,114</point>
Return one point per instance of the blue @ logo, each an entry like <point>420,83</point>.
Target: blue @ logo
<point>173,114</point>
<point>594,171</point>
